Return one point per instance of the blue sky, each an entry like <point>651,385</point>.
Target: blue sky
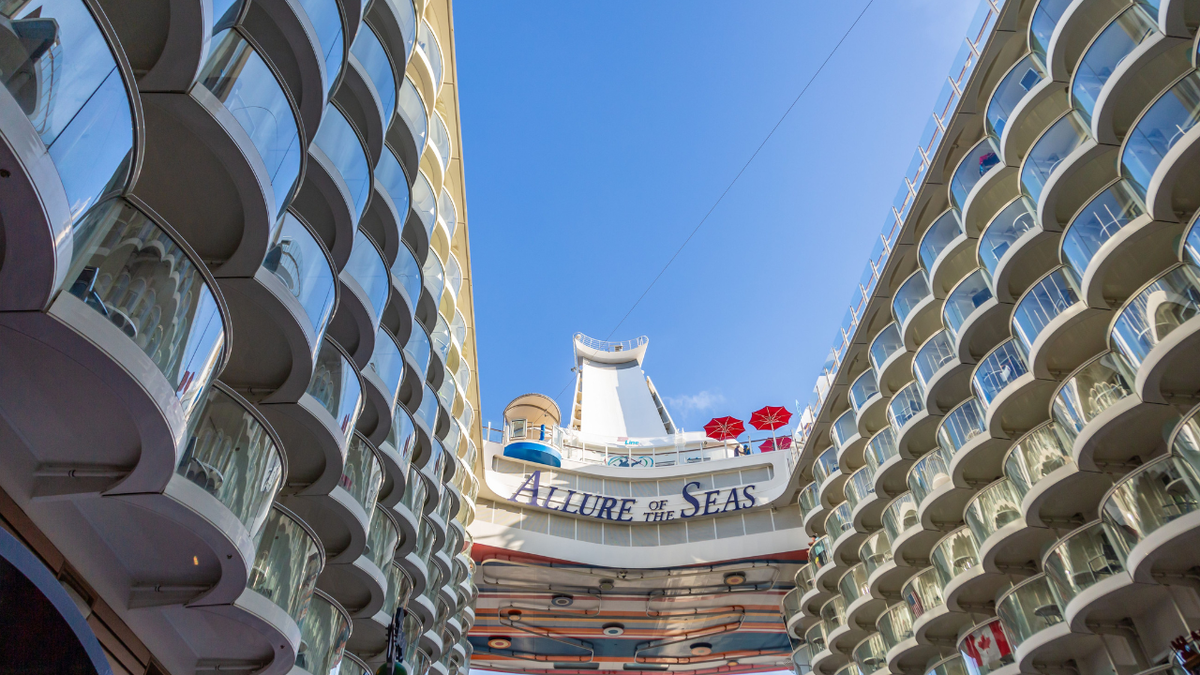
<point>596,135</point>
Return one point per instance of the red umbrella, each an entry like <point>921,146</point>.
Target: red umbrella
<point>724,428</point>
<point>771,417</point>
<point>776,444</point>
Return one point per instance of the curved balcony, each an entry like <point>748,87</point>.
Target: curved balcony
<point>1033,622</point>
<point>912,423</point>
<point>871,654</point>
<point>323,635</point>
<point>431,54</point>
<point>865,505</point>
<point>374,86</point>
<point>439,141</point>
<point>839,525</point>
<point>941,378</point>
<point>1013,250</point>
<point>1005,541</point>
<point>1014,401</point>
<point>987,661</point>
<point>1052,487</point>
<point>1158,155</point>
<point>974,454</point>
<point>868,403</point>
<point>823,564</point>
<point>974,319</point>
<point>945,253</point>
<point>828,477</point>
<point>342,518</point>
<point>910,543</point>
<point>388,210</point>
<point>1056,330</point>
<point>845,437</point>
<point>904,654</point>
<point>978,161</point>
<point>1156,329</point>
<point>361,585</point>
<point>283,578</point>
<point>62,80</point>
<point>1064,169</point>
<point>965,585</point>
<point>327,23</point>
<point>952,665</point>
<point>933,622</point>
<point>382,376</point>
<point>1005,100</point>
<point>884,578</point>
<point>823,659</point>
<point>888,468</point>
<point>891,362</point>
<point>1087,574</point>
<point>915,310</point>
<point>790,606</point>
<point>811,509</point>
<point>397,451</point>
<point>840,635</point>
<point>861,607</point>
<point>1104,56</point>
<point>939,500</point>
<point>811,598</point>
<point>365,287</point>
<point>343,170</point>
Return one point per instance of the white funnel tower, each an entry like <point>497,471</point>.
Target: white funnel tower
<point>613,397</point>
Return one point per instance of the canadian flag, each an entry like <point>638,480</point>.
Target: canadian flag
<point>987,646</point>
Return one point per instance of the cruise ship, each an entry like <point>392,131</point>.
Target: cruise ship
<point>237,392</point>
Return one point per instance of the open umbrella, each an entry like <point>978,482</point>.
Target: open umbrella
<point>776,444</point>
<point>770,417</point>
<point>724,428</point>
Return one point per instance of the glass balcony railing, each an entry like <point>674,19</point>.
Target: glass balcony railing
<point>825,466</point>
<point>859,487</point>
<point>1160,127</point>
<point>804,578</point>
<point>362,475</point>
<point>1023,77</point>
<point>911,293</point>
<point>1107,51</point>
<point>928,474</point>
<point>458,331</point>
<point>382,538</point>
<point>937,351</point>
<point>307,272</point>
<point>427,42</point>
<point>940,234</point>
<point>863,389</point>
<point>1049,151</point>
<point>809,501</point>
<point>424,202</point>
<point>434,274</point>
<point>1150,497</point>
<point>1002,232</point>
<point>875,552</point>
<point>387,363</point>
<point>951,666</point>
<point>871,653</point>
<point>1041,29</point>
<point>977,162</point>
<point>815,636</point>
<point>407,275</point>
<point>850,668</point>
<point>247,87</point>
<point>395,182</point>
<point>791,604</point>
<point>853,584</point>
<point>1153,313</point>
<point>454,275</point>
<point>1114,208</point>
<point>905,405</point>
<point>1036,455</point>
<point>844,428</point>
<point>288,559</point>
<point>895,625</point>
<point>880,449</point>
<point>448,212</point>
<point>374,58</point>
<point>1042,303</point>
<point>887,343</point>
<point>960,425</point>
<point>997,370</point>
<point>323,636</point>
<point>326,19</point>
<point>1093,388</point>
<point>399,590</point>
<point>986,649</point>
<point>923,592</point>
<point>1080,560</point>
<point>899,516</point>
<point>818,553</point>
<point>411,107</point>
<point>232,456</point>
<point>1027,609</point>
<point>126,268</point>
<point>833,614</point>
<point>366,266</point>
<point>336,387</point>
<point>340,142</point>
<point>419,349</point>
<point>994,507</point>
<point>963,300</point>
<point>439,140</point>
<point>839,522</point>
<point>955,554</point>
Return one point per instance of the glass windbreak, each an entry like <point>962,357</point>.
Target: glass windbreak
<point>1028,608</point>
<point>900,515</point>
<point>1191,244</point>
<point>996,371</point>
<point>231,455</point>
<point>414,494</point>
<point>62,74</point>
<point>825,466</point>
<point>959,426</point>
<point>1042,303</point>
<point>1090,390</point>
<point>815,636</point>
<point>387,362</point>
<point>1097,222</point>
<point>427,42</point>
<point>895,625</point>
<point>964,299</point>
<point>863,389</point>
<point>448,212</point>
<point>1003,231</point>
<point>326,18</point>
<point>402,436</point>
<point>1149,498</point>
<point>880,448</point>
<point>978,161</point>
<point>871,653</point>
<point>1158,130</point>
<point>853,584</point>
<point>833,613</point>
<point>454,275</point>
<point>340,142</point>
<point>439,138</point>
<point>382,538</point>
<point>986,649</point>
<point>956,553</point>
<point>937,351</point>
<point>366,266</point>
<point>923,592</point>
<point>374,58</point>
<point>395,182</point>
<point>1108,50</point>
<point>434,275</point>
<point>1023,77</point>
<point>245,85</point>
<point>804,578</point>
<point>1042,25</point>
<point>951,666</point>
<point>994,507</point>
<point>910,294</point>
<point>844,428</point>
<point>818,552</point>
<point>1049,151</point>
<point>335,386</point>
<point>407,274</point>
<point>875,551</point>
<point>809,500</point>
<point>1080,560</point>
<point>295,257</point>
<point>440,338</point>
<point>885,344</point>
<point>362,476</point>
<point>1034,456</point>
<point>791,604</point>
<point>411,107</point>
<point>428,410</point>
<point>944,230</point>
<point>904,406</point>
<point>127,269</point>
<point>859,487</point>
<point>1161,307</point>
<point>928,474</point>
<point>323,635</point>
<point>351,667</point>
<point>838,522</point>
<point>399,590</point>
<point>286,564</point>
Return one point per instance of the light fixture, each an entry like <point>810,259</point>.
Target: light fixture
<point>511,614</point>
<point>562,600</point>
<point>735,578</point>
<point>499,643</point>
<point>701,649</point>
<point>613,629</point>
<point>607,584</point>
<point>733,663</point>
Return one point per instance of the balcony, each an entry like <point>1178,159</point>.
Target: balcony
<point>890,360</point>
<point>839,524</point>
<point>945,253</point>
<point>1005,540</point>
<point>973,318</point>
<point>979,662</point>
<point>791,611</point>
<point>1014,401</point>
<point>365,287</point>
<point>383,377</point>
<point>865,506</point>
<point>871,654</point>
<point>828,477</point>
<point>941,378</point>
<point>932,620</point>
<point>910,543</point>
<point>1154,331</point>
<point>978,161</point>
<point>1052,487</point>
<point>869,406</point>
<point>840,636</point>
<point>1013,250</point>
<point>928,476</point>
<point>915,310</point>
<point>913,426</point>
<point>1006,99</point>
<point>282,580</point>
<point>811,509</point>
<point>1033,622</point>
<point>1055,328</point>
<point>323,635</point>
<point>861,607</point>
<point>1157,156</point>
<point>965,585</point>
<point>1087,571</point>
<point>1105,55</point>
<point>888,468</point>
<point>883,576</point>
<point>847,440</point>
<point>974,455</point>
<point>895,626</point>
<point>410,133</point>
<point>430,52</point>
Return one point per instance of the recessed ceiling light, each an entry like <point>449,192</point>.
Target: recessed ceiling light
<point>614,629</point>
<point>701,649</point>
<point>735,578</point>
<point>499,643</point>
<point>562,600</point>
<point>607,584</point>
